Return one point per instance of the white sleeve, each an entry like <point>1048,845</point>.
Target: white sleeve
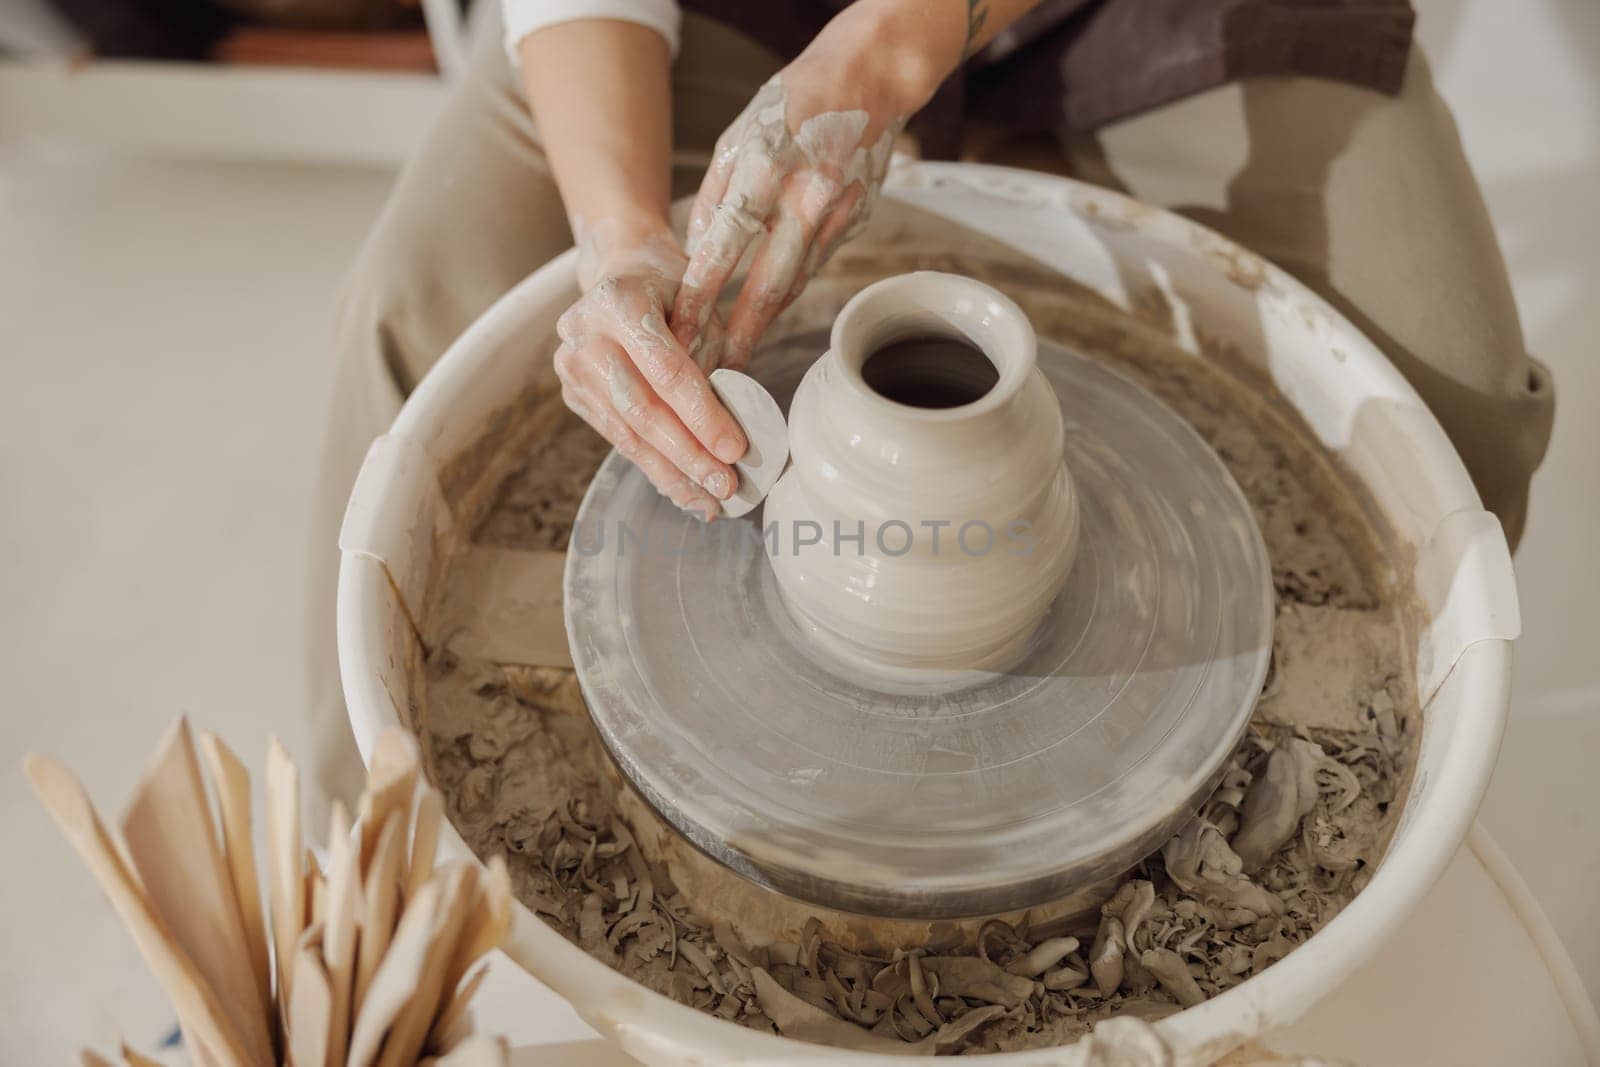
<point>523,17</point>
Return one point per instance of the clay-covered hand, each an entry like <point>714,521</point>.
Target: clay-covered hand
<point>625,374</point>
<point>800,167</point>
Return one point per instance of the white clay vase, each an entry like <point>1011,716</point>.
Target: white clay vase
<point>966,515</point>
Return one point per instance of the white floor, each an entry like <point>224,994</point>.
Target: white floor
<point>162,396</point>
<point>1524,81</point>
<point>163,389</point>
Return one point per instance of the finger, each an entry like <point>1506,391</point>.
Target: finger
<point>674,377</point>
<point>757,115</point>
<point>779,266</point>
<point>741,214</point>
<point>712,188</point>
<point>709,348</point>
<point>585,396</point>
<point>595,408</point>
<point>648,416</point>
<point>766,289</point>
<point>834,231</point>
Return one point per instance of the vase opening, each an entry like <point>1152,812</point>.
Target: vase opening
<point>930,371</point>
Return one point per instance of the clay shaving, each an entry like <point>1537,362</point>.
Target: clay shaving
<point>1290,836</point>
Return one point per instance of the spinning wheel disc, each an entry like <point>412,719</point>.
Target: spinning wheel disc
<point>997,792</point>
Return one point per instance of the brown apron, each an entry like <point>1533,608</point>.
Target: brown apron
<point>1074,65</point>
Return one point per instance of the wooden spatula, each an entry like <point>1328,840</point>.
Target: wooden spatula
<point>231,782</point>
<point>411,1026</point>
<point>285,880</point>
<point>487,923</point>
<point>391,780</point>
<point>397,976</point>
<point>203,1018</point>
<point>379,908</point>
<point>341,930</point>
<point>424,838</point>
<point>309,1025</point>
<point>171,839</point>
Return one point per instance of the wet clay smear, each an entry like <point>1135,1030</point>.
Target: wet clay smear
<point>1290,836</point>
<point>536,504</point>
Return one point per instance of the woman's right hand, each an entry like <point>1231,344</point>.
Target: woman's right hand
<point>623,372</point>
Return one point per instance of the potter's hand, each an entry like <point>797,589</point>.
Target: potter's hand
<point>801,165</point>
<point>624,373</point>
<point>804,161</point>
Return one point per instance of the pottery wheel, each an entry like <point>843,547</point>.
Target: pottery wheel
<point>998,792</point>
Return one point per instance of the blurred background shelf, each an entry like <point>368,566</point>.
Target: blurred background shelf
<point>310,81</point>
<point>296,114</point>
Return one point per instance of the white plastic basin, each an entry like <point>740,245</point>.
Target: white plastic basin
<point>1348,394</point>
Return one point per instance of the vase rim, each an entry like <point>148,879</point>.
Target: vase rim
<point>936,303</point>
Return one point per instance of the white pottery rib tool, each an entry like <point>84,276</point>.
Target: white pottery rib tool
<point>764,427</point>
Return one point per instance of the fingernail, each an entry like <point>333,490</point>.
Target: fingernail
<point>728,449</point>
<point>718,484</point>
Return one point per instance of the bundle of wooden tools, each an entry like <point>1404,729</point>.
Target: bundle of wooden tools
<point>361,961</point>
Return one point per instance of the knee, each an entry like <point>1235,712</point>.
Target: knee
<point>1503,451</point>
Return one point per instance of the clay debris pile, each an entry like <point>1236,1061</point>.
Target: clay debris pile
<point>1287,840</point>
<point>536,505</point>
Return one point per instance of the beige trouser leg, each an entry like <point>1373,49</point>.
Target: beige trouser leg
<point>474,212</point>
<point>1368,200</point>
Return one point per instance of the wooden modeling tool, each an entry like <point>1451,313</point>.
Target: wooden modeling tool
<point>285,885</point>
<point>199,1011</point>
<point>168,830</point>
<point>231,783</point>
<point>372,950</point>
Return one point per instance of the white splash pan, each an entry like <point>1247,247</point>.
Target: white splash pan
<point>1355,402</point>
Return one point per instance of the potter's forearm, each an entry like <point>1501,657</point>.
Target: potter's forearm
<point>915,44</point>
<point>600,91</point>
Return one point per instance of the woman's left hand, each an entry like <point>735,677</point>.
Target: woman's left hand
<point>801,165</point>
